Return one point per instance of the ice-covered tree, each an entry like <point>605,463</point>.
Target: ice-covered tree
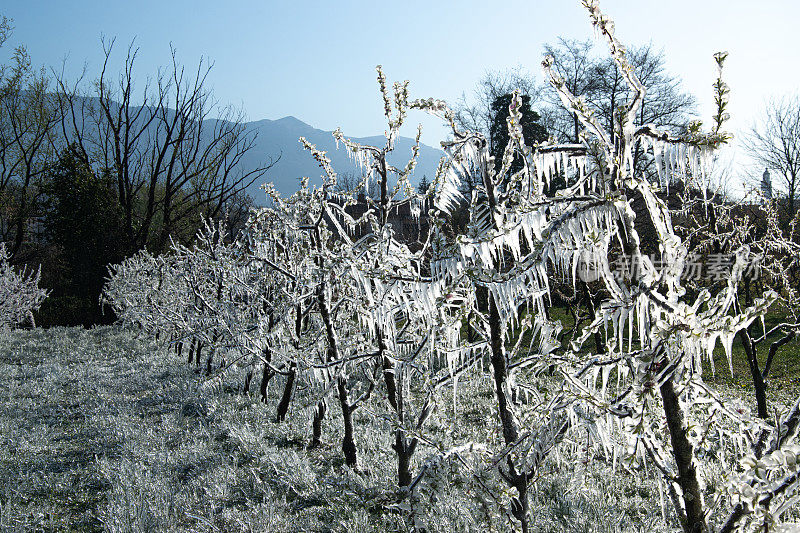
<point>656,336</point>
<point>667,332</point>
<point>335,302</point>
<point>20,294</point>
<point>406,316</point>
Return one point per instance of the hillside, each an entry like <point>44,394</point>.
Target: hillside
<point>279,140</point>
<point>280,137</point>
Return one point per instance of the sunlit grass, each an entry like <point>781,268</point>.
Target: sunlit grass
<point>104,430</point>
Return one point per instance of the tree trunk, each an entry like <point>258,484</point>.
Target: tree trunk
<point>519,505</point>
<point>500,372</point>
<point>247,379</point>
<point>286,399</point>
<point>404,450</point>
<point>197,354</point>
<point>166,222</point>
<point>209,362</point>
<point>316,423</point>
<point>388,373</point>
<point>348,441</point>
<point>759,385</point>
<point>389,379</point>
<point>518,480</point>
<point>20,226</point>
<point>683,453</point>
<point>401,446</point>
<point>266,375</point>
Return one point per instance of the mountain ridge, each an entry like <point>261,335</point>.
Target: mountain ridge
<point>281,137</point>
<point>277,140</point>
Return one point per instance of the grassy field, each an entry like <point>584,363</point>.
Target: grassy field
<point>784,377</point>
<point>102,430</point>
<point>783,384</point>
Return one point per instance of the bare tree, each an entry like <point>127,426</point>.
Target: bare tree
<point>775,143</point>
<point>350,183</point>
<point>573,63</point>
<point>601,84</point>
<point>27,124</point>
<point>175,153</point>
<point>485,113</point>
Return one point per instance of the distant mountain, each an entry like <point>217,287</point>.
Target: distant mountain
<point>280,137</point>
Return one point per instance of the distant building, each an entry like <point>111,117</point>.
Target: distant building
<point>34,232</point>
<point>766,185</point>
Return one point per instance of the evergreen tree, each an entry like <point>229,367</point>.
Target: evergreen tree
<point>83,224</point>
<point>532,130</point>
<point>424,185</point>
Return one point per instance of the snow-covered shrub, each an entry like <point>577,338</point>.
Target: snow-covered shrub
<point>20,294</point>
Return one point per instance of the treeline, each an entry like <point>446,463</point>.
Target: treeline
<point>94,170</point>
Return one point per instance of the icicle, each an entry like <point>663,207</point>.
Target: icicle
<point>682,159</point>
<point>672,162</point>
<point>727,343</point>
<point>546,164</point>
<point>630,332</point>
<point>644,143</point>
<point>658,151</point>
<point>606,372</point>
<point>627,163</point>
<point>455,397</point>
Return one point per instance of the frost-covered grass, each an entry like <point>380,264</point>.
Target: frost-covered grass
<point>68,399</point>
<point>103,430</point>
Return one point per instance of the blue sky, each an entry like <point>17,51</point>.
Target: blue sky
<point>315,60</point>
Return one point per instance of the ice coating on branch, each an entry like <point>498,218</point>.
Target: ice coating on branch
<point>20,294</point>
